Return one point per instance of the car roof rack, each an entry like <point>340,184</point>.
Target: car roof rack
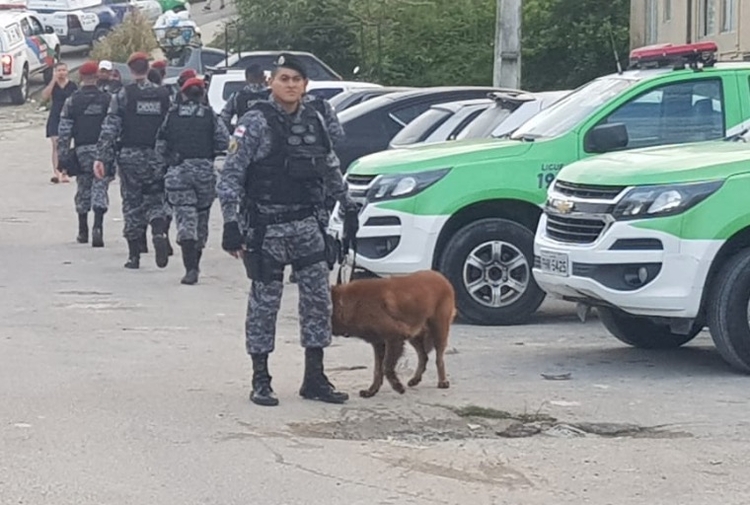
<point>696,56</point>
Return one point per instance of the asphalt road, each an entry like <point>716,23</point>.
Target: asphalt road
<point>125,387</point>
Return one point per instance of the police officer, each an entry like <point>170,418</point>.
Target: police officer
<point>189,140</point>
<point>135,115</point>
<point>81,121</point>
<point>240,102</point>
<point>278,168</point>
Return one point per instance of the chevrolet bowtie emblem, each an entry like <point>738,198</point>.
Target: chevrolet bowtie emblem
<point>563,206</point>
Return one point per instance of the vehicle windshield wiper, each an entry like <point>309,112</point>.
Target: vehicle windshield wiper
<point>737,136</point>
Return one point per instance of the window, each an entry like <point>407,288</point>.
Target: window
<point>421,127</point>
<point>667,10</point>
<point>465,123</point>
<point>36,26</point>
<point>25,28</point>
<point>708,17</point>
<point>728,15</point>
<point>676,113</point>
<point>406,115</point>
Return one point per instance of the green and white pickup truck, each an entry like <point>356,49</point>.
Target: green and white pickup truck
<point>470,208</point>
<point>658,240</point>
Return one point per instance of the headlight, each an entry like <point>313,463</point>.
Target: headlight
<point>667,200</point>
<point>389,187</point>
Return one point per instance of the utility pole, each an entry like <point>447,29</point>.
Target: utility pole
<point>507,69</point>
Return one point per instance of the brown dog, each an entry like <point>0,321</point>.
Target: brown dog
<point>387,312</point>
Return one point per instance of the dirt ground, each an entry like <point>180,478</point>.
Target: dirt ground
<point>125,387</point>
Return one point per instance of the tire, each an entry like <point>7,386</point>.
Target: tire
<point>99,34</point>
<point>642,333</point>
<point>727,310</point>
<point>19,94</point>
<point>496,287</point>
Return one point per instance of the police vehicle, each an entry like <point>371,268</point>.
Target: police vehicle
<point>27,48</point>
<point>78,22</point>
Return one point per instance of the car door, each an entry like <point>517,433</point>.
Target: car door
<point>40,55</point>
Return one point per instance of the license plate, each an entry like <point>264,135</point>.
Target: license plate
<point>554,263</point>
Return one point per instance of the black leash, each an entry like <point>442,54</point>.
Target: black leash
<point>345,245</point>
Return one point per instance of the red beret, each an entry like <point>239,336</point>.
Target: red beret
<point>193,81</point>
<point>137,56</point>
<point>89,68</point>
<point>188,73</point>
<point>162,64</point>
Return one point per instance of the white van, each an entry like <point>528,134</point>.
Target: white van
<point>27,48</point>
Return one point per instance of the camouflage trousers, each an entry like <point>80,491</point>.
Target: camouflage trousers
<point>91,192</point>
<point>287,242</point>
<point>191,190</point>
<point>142,190</point>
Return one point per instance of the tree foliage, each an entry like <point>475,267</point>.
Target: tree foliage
<point>440,42</point>
<point>134,34</point>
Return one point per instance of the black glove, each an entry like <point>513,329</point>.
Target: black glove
<point>232,239</point>
<point>351,226</point>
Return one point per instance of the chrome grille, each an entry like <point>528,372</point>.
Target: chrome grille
<point>587,191</point>
<point>575,230</point>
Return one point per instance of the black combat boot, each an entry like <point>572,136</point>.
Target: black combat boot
<point>262,394</point>
<point>170,251</point>
<point>83,228</point>
<point>134,254</point>
<point>198,256</point>
<point>190,260</point>
<point>97,232</point>
<point>158,232</point>
<point>143,243</point>
<point>316,385</point>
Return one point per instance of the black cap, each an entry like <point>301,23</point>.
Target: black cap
<point>287,60</point>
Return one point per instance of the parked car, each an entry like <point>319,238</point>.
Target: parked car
<point>77,22</point>
<point>508,113</point>
<point>27,48</point>
<point>352,97</point>
<point>149,9</point>
<point>470,208</point>
<point>371,125</point>
<point>223,84</point>
<point>317,70</point>
<point>329,89</point>
<point>197,58</point>
<point>440,122</point>
<point>657,240</point>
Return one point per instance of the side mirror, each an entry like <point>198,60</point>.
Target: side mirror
<point>605,138</point>
<point>49,29</point>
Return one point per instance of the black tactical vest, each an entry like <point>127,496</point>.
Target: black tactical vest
<point>245,98</point>
<point>145,109</point>
<point>190,131</point>
<point>294,170</point>
<point>88,108</point>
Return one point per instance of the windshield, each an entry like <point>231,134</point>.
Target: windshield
<point>571,110</point>
<point>421,127</point>
<point>483,125</point>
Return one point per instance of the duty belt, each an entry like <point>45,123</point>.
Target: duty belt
<point>281,217</point>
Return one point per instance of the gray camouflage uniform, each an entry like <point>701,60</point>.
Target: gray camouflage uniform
<point>140,172</point>
<point>284,242</point>
<point>90,191</point>
<point>230,108</point>
<point>191,184</point>
<point>333,125</point>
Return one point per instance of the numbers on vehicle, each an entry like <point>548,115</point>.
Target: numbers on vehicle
<point>545,180</point>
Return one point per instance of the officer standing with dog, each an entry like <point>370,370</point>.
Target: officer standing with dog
<point>188,142</point>
<point>279,167</point>
<point>81,121</point>
<point>135,115</point>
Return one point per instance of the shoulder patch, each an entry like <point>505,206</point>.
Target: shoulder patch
<point>239,132</point>
<point>233,145</point>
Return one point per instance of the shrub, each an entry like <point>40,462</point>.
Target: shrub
<point>134,34</point>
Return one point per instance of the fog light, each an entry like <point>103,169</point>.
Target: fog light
<point>643,274</point>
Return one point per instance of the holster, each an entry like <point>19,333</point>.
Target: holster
<point>70,164</point>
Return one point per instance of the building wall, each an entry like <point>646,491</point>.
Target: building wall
<point>661,21</point>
